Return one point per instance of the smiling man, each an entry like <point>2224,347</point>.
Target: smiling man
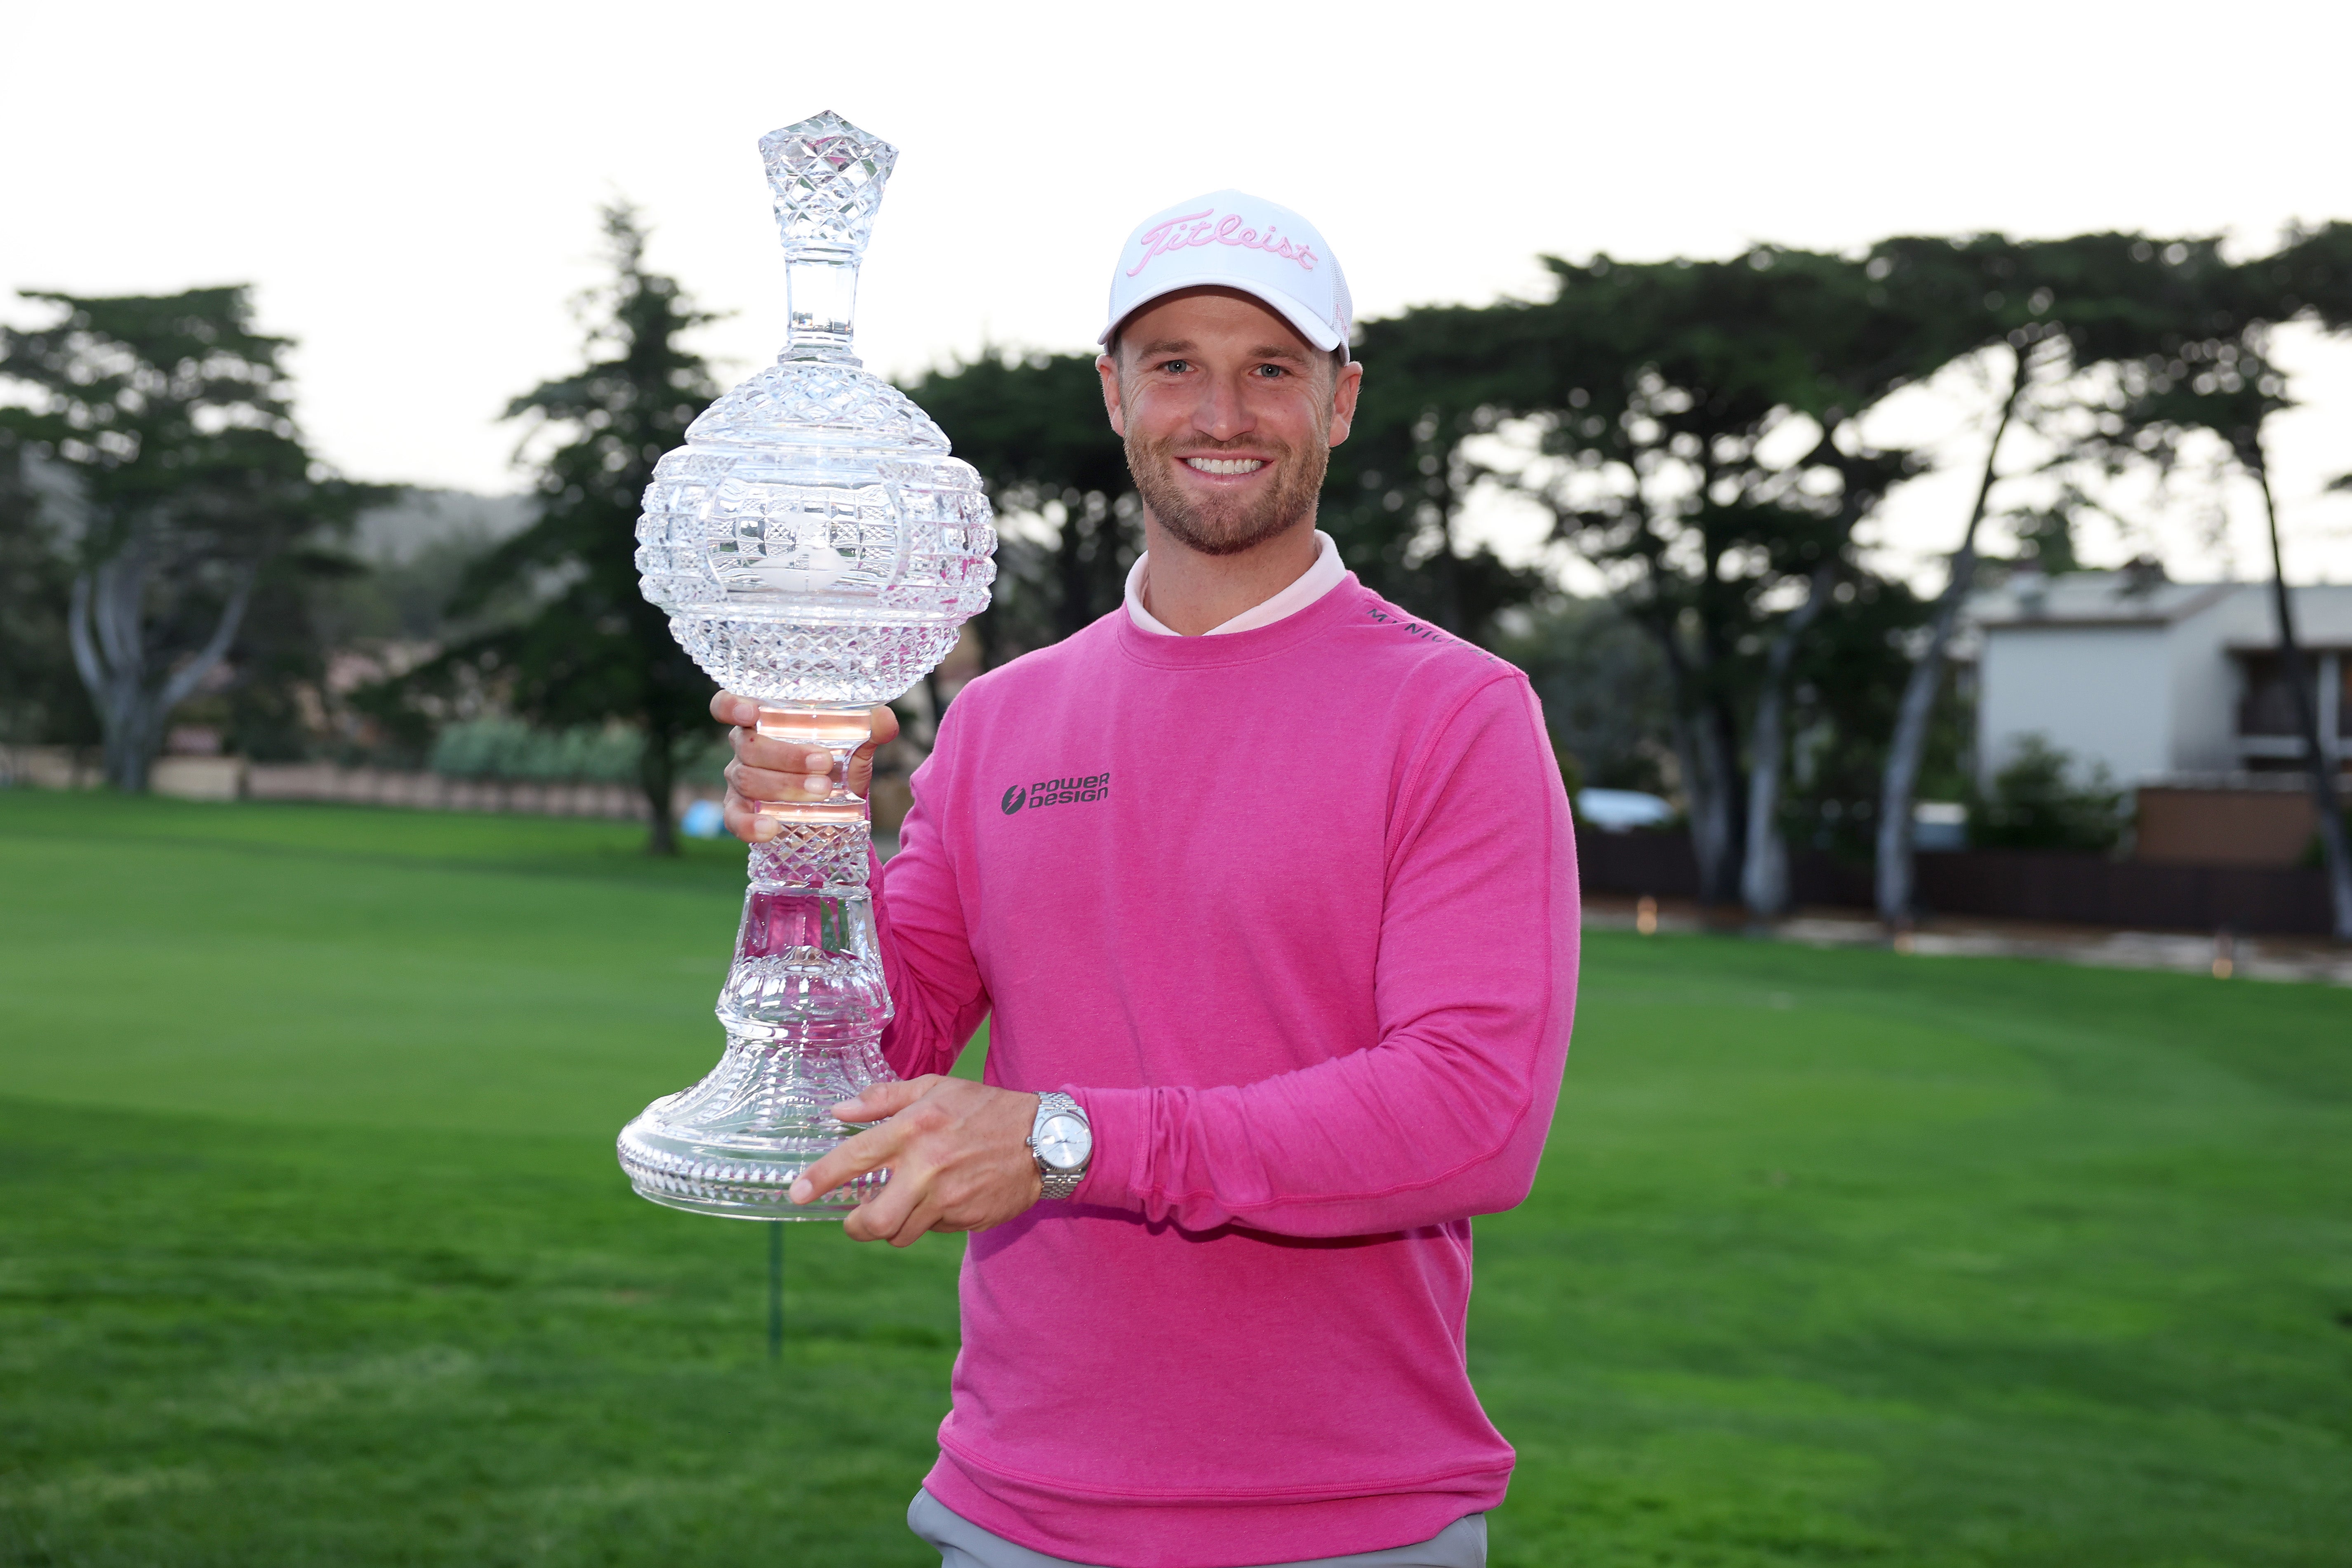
<point>1268,892</point>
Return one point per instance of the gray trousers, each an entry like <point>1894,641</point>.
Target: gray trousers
<point>964,1545</point>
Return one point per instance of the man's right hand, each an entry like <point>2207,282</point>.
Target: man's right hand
<point>781,771</point>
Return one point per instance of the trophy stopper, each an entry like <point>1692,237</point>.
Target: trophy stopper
<point>827,176</point>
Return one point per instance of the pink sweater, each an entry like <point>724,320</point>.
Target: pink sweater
<point>1293,913</point>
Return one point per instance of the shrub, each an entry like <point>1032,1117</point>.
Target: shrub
<point>2036,804</point>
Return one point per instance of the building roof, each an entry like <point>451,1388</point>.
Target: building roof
<point>2131,597</point>
<point>2141,597</point>
<point>2323,622</point>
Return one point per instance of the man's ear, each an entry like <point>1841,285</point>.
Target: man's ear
<point>1345,389</point>
<point>1106,367</point>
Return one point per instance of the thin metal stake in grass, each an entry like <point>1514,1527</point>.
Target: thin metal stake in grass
<point>775,1291</point>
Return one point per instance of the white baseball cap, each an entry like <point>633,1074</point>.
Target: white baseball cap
<point>1227,239</point>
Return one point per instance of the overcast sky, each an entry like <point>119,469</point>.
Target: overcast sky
<point>413,189</point>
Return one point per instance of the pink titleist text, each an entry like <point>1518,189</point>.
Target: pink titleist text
<point>1204,227</point>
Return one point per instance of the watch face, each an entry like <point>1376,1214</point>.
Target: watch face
<point>1064,1143</point>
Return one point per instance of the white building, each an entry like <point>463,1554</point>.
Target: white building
<point>2154,679</point>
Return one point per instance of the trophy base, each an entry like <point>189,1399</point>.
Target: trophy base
<point>734,1177</point>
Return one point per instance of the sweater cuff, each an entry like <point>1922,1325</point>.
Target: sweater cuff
<point>1120,1120</point>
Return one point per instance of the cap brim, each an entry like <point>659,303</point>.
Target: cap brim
<point>1311,327</point>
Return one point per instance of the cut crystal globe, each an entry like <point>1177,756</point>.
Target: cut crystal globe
<point>817,549</point>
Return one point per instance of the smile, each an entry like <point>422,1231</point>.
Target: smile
<point>1225,465</point>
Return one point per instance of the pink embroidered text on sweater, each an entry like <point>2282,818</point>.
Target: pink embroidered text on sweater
<point>1293,913</point>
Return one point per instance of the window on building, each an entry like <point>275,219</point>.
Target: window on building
<point>2267,706</point>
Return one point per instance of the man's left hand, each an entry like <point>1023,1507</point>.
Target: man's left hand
<point>957,1153</point>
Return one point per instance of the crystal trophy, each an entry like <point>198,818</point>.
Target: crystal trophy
<point>817,550</point>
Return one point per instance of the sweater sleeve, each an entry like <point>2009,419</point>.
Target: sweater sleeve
<point>937,994</point>
<point>1443,1116</point>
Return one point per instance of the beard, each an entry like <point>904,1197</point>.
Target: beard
<point>1227,525</point>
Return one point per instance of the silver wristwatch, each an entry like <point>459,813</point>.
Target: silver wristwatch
<point>1062,1143</point>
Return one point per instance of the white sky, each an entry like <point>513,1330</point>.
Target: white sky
<point>413,189</point>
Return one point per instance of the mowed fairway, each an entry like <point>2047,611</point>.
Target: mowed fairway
<point>312,1249</point>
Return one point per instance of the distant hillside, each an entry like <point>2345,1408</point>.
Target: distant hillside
<point>395,534</point>
<point>418,551</point>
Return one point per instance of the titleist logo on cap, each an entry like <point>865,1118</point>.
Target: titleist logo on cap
<point>1204,227</point>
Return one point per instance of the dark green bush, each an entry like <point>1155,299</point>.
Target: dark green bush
<point>2036,803</point>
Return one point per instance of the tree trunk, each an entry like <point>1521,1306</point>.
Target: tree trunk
<point>1701,820</point>
<point>1764,875</point>
<point>1897,871</point>
<point>1718,836</point>
<point>108,656</point>
<point>1707,801</point>
<point>106,624</point>
<point>657,776</point>
<point>1707,788</point>
<point>2306,713</point>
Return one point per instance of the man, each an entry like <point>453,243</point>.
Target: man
<point>1268,892</point>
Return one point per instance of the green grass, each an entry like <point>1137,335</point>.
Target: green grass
<point>313,1248</point>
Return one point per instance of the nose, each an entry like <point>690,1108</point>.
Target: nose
<point>1222,412</point>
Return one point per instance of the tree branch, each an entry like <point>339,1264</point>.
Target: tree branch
<point>85,649</point>
<point>185,679</point>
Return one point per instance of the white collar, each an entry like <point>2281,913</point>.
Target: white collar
<point>1317,580</point>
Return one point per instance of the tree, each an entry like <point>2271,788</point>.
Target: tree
<point>593,649</point>
<point>2213,372</point>
<point>1696,424</point>
<point>2312,275</point>
<point>2050,314</point>
<point>170,419</point>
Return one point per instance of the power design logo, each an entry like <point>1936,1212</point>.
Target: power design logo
<point>1038,797</point>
